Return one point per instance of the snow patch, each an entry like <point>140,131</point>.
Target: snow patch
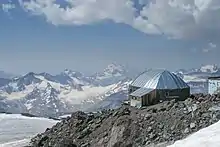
<point>207,137</point>
<point>16,129</point>
<point>45,82</point>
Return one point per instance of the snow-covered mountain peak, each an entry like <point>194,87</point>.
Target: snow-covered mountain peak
<point>209,68</point>
<point>48,87</point>
<point>114,69</point>
<point>28,75</point>
<point>50,90</point>
<point>112,74</point>
<point>20,83</point>
<point>72,73</point>
<point>20,86</point>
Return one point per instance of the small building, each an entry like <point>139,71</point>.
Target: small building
<point>153,86</point>
<point>214,85</point>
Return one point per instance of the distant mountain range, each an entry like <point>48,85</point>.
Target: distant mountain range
<point>49,95</point>
<point>197,77</point>
<point>44,94</point>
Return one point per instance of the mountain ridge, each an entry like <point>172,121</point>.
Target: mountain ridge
<point>43,94</point>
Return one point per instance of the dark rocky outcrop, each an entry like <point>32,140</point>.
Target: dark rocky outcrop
<point>28,115</point>
<point>159,125</point>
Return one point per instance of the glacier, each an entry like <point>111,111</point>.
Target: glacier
<point>16,130</point>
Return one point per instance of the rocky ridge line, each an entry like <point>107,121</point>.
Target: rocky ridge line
<point>156,125</point>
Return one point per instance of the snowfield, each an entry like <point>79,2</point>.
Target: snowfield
<point>74,96</point>
<point>193,78</point>
<point>19,143</point>
<point>16,130</point>
<point>207,137</point>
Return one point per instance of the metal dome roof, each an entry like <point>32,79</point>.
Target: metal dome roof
<point>159,79</point>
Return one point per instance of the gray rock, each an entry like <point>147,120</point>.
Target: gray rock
<point>186,131</point>
<point>150,129</point>
<point>85,145</point>
<point>161,126</point>
<point>192,125</point>
<point>148,116</point>
<point>152,136</point>
<point>115,113</point>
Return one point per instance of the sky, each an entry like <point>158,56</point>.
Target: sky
<point>87,35</point>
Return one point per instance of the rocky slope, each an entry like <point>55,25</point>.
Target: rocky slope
<point>156,125</point>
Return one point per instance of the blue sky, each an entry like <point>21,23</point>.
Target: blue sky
<point>46,39</point>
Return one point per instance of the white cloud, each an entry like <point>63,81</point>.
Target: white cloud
<point>7,7</point>
<point>80,12</point>
<point>174,18</point>
<point>211,47</point>
<point>206,50</point>
<point>183,18</point>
